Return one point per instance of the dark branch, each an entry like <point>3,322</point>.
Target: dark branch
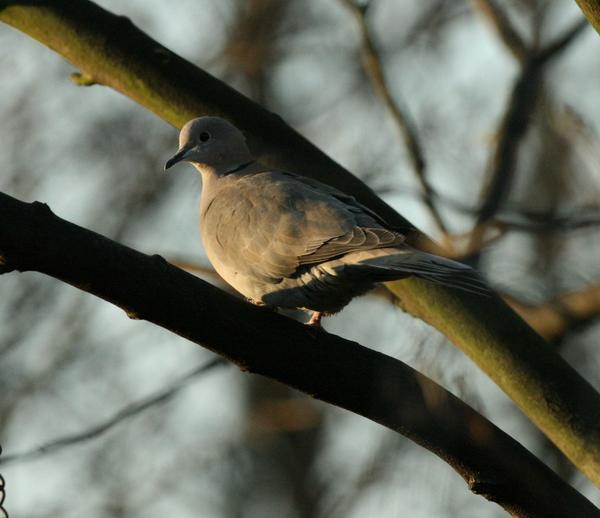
<point>513,127</point>
<point>330,368</point>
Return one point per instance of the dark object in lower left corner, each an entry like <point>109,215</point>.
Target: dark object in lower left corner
<point>3,512</point>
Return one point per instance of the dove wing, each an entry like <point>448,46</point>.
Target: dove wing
<point>269,224</point>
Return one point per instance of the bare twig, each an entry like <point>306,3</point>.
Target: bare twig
<point>125,413</point>
<point>518,219</point>
<point>518,114</point>
<point>522,220</point>
<point>372,65</point>
<point>559,316</point>
<point>508,219</point>
<point>547,222</point>
<point>503,27</point>
<point>433,20</point>
<point>513,127</point>
<point>560,44</point>
<point>574,127</point>
<point>372,473</point>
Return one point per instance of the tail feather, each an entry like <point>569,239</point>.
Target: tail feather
<point>432,268</point>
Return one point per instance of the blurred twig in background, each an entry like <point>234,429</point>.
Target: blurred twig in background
<point>518,114</point>
<point>567,312</point>
<point>373,68</point>
<point>127,412</point>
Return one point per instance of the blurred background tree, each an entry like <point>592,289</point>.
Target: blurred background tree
<point>449,109</point>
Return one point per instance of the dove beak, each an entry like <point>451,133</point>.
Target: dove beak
<point>180,156</point>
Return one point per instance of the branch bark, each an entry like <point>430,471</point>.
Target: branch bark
<point>330,368</point>
<point>591,9</point>
<point>113,52</point>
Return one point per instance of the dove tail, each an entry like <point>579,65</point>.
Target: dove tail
<point>432,268</point>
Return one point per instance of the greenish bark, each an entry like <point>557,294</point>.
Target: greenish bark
<point>591,9</point>
<point>112,52</point>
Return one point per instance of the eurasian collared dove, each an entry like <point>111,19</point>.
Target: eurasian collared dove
<point>288,241</point>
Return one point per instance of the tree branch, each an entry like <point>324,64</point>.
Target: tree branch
<point>330,368</point>
<point>591,9</point>
<point>506,32</point>
<point>519,219</point>
<point>555,47</point>
<point>113,52</point>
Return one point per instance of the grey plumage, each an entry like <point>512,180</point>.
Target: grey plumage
<point>288,241</point>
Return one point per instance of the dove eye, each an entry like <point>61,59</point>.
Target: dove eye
<point>204,136</point>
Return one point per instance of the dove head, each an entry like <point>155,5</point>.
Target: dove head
<point>212,145</point>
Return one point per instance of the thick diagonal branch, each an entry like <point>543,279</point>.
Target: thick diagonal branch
<point>330,368</point>
<point>591,9</point>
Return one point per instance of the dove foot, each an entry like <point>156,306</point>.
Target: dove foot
<point>315,319</point>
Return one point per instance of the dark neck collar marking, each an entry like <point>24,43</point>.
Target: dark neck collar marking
<point>239,167</point>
